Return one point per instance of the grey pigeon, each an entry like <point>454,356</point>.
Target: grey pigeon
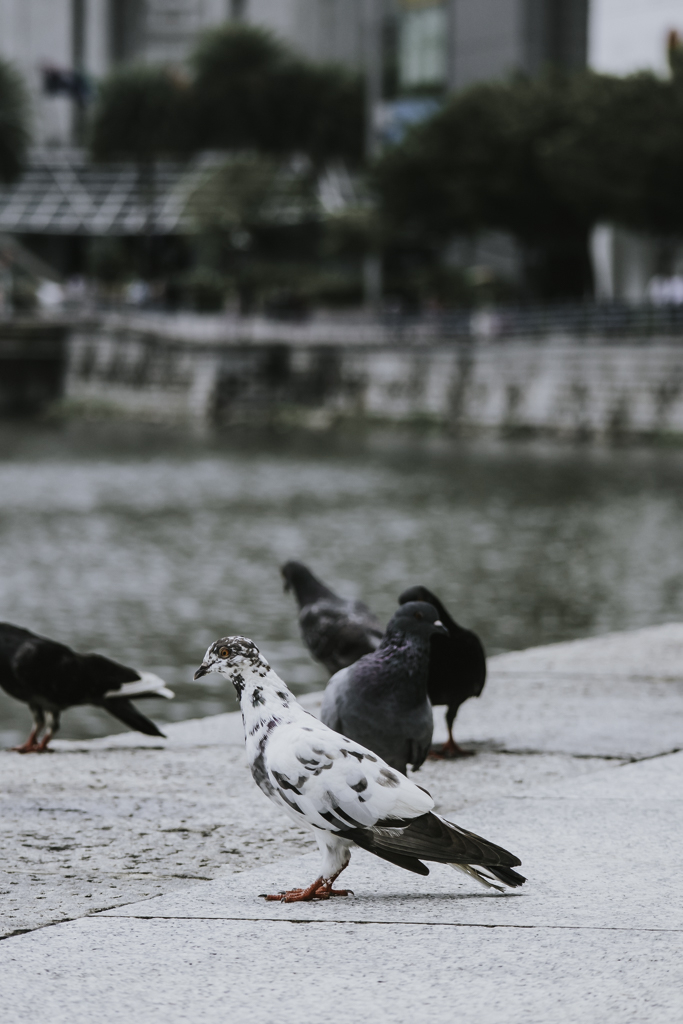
<point>381,701</point>
<point>339,789</point>
<point>457,667</point>
<point>50,677</point>
<point>337,632</point>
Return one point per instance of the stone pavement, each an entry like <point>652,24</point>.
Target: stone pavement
<point>576,771</point>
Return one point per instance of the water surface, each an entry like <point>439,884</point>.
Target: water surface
<point>147,544</point>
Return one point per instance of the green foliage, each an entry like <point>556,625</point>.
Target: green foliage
<point>256,219</point>
<point>252,92</point>
<point>479,164</point>
<point>621,158</point>
<point>141,114</point>
<point>247,189</point>
<point>544,160</point>
<point>13,123</point>
<point>205,289</point>
<point>108,259</point>
<point>247,91</point>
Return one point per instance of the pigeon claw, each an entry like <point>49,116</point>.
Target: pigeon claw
<point>448,752</point>
<point>321,889</point>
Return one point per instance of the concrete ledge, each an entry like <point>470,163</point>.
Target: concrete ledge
<point>598,935</point>
<point>160,851</point>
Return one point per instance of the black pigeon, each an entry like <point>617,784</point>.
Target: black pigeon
<point>337,632</point>
<point>50,677</point>
<point>457,666</point>
<point>381,701</point>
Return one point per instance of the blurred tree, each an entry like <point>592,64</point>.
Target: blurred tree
<point>480,163</point>
<point>621,159</point>
<point>251,211</point>
<point>544,160</point>
<point>14,133</point>
<point>261,224</point>
<point>251,92</point>
<point>140,114</point>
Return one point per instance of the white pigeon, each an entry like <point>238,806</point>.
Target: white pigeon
<point>339,789</point>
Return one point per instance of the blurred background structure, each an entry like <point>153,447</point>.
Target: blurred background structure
<point>442,153</point>
<point>464,216</point>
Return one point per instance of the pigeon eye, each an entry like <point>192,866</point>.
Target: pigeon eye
<point>224,653</point>
<point>419,615</point>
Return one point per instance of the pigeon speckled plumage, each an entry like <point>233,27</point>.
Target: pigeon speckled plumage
<point>457,666</point>
<point>381,700</point>
<point>337,632</point>
<point>50,677</point>
<point>338,788</point>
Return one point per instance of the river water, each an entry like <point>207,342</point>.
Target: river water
<point>147,544</point>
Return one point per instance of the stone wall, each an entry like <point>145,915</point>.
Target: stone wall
<point>570,387</point>
<point>33,358</point>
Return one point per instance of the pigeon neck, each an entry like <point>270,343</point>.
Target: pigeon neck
<point>410,654</point>
<point>308,590</point>
<point>264,697</point>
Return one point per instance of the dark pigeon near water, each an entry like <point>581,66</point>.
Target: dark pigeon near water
<point>340,790</point>
<point>50,677</point>
<point>381,701</point>
<point>457,666</point>
<point>337,632</point>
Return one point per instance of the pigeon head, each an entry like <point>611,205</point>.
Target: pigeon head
<point>416,619</point>
<point>420,593</point>
<point>307,587</point>
<point>233,657</point>
<point>417,593</point>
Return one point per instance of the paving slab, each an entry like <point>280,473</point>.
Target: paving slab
<point>242,972</point>
<point>597,852</point>
<point>173,843</point>
<point>654,652</point>
<point>597,935</point>
<point>619,695</point>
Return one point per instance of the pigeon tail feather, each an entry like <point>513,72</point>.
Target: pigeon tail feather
<point>148,685</point>
<point>364,838</point>
<point>467,869</point>
<point>507,875</point>
<point>127,713</point>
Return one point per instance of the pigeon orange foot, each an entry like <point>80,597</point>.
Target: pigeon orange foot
<point>321,889</point>
<point>30,746</point>
<point>449,751</point>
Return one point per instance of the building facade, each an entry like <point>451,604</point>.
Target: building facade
<point>425,44</point>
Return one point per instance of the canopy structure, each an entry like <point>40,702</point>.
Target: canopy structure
<point>63,193</point>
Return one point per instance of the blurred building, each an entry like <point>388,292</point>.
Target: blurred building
<point>626,36</point>
<point>419,50</point>
<point>426,44</point>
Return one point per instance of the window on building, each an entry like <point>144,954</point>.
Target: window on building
<point>423,44</point>
<point>237,10</point>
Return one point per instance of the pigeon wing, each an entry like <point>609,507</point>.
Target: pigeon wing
<point>336,784</point>
<point>336,634</point>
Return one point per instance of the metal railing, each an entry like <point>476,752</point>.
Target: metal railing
<point>572,321</point>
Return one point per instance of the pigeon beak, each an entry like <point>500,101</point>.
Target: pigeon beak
<point>439,627</point>
<point>203,670</point>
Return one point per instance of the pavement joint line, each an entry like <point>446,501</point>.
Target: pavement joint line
<point>624,758</point>
<point>100,915</point>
